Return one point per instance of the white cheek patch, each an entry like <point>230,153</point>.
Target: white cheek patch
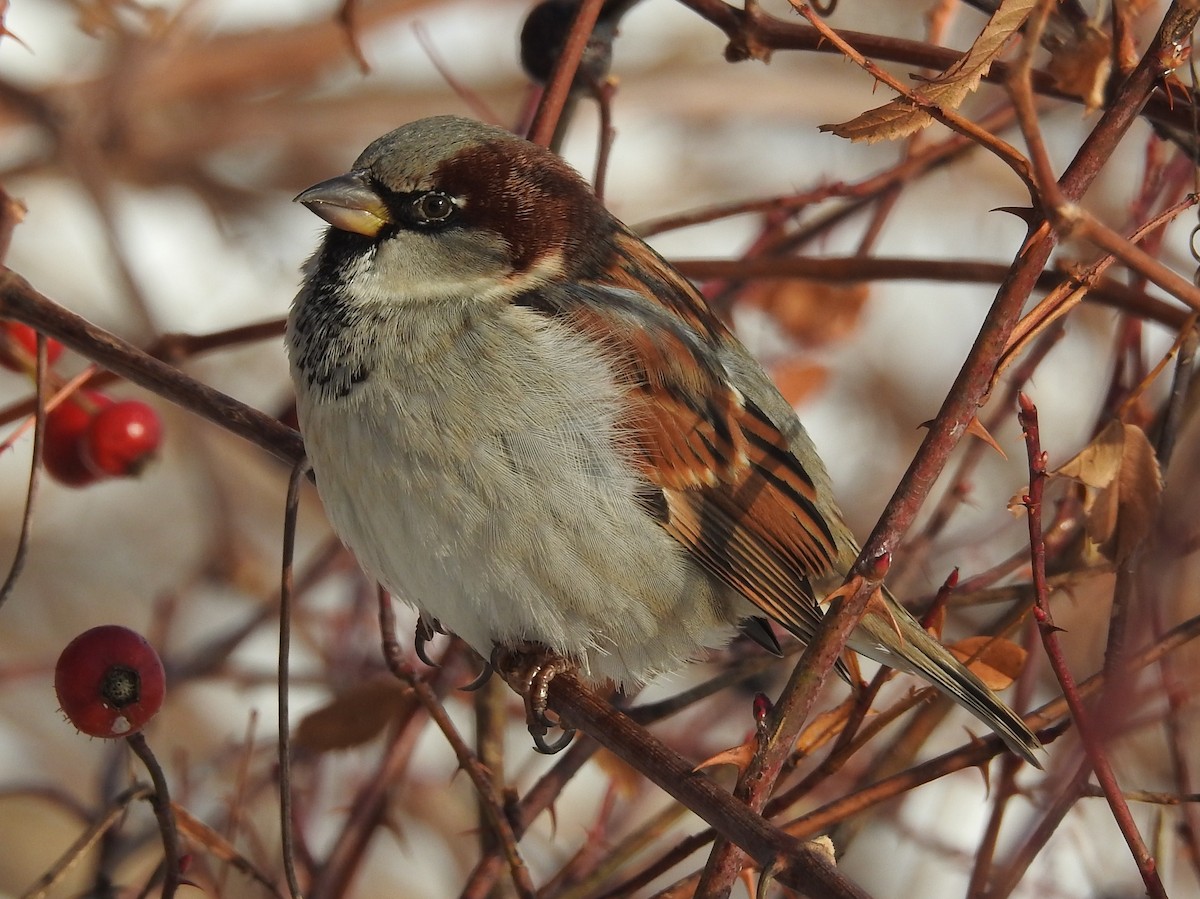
<point>390,275</point>
<point>410,268</point>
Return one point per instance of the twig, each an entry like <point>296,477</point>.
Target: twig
<point>235,815</point>
<point>1058,663</point>
<point>35,468</point>
<point>622,853</point>
<point>1003,150</point>
<point>491,804</point>
<point>19,301</point>
<point>980,751</point>
<point>861,192</point>
<point>1006,789</point>
<point>758,35</point>
<point>1179,743</point>
<point>1081,285</point>
<point>286,824</point>
<point>160,801</point>
<point>1010,872</point>
<point>807,868</point>
<point>604,100</point>
<point>171,348</point>
<point>944,508</point>
<point>86,840</point>
<point>554,97</point>
<point>538,798</point>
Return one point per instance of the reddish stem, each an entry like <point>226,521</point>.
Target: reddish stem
<point>1088,735</point>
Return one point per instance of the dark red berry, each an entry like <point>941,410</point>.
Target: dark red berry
<point>63,445</point>
<point>109,681</point>
<point>18,347</point>
<point>122,438</point>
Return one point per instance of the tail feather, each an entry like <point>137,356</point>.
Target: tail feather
<point>908,647</point>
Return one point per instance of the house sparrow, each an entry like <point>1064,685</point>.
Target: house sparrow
<point>526,423</point>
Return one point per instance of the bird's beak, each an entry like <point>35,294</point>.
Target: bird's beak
<point>349,203</point>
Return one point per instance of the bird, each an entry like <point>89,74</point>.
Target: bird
<point>527,424</point>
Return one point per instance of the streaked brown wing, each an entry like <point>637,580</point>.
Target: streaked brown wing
<point>730,489</point>
<point>759,531</point>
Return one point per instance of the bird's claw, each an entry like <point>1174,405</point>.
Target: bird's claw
<point>427,628</point>
<point>480,679</point>
<point>536,668</point>
<point>539,739</point>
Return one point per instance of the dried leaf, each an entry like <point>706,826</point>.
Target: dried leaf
<point>902,116</point>
<point>813,313</point>
<point>200,834</point>
<point>824,727</point>
<point>627,781</point>
<point>352,718</point>
<point>1121,472</point>
<point>798,380</point>
<point>995,661</point>
<point>1098,463</point>
<point>1082,68</point>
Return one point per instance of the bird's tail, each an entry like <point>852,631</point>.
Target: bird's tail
<point>904,644</point>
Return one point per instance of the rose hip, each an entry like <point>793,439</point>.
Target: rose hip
<point>109,681</point>
<point>18,347</point>
<point>121,439</point>
<point>66,426</point>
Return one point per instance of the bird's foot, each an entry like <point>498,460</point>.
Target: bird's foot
<point>534,667</point>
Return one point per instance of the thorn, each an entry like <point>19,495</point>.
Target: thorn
<point>1027,214</point>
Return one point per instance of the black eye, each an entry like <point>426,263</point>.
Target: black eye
<point>433,208</point>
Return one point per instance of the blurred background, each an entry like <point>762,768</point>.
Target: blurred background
<point>156,148</point>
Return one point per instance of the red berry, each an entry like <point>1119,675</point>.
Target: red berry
<point>62,446</point>
<point>122,438</point>
<point>18,347</point>
<point>109,681</point>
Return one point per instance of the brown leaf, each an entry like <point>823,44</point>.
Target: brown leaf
<point>824,727</point>
<point>1082,67</point>
<point>200,834</point>
<point>813,313</point>
<point>995,661</point>
<point>798,380</point>
<point>1098,463</point>
<point>1121,472</point>
<point>627,781</point>
<point>352,718</point>
<point>902,117</point>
